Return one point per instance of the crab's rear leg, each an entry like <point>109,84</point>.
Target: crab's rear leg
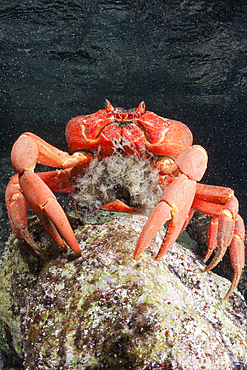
<point>237,253</point>
<point>226,228</point>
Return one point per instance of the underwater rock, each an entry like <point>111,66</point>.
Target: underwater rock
<point>17,271</point>
<point>104,310</point>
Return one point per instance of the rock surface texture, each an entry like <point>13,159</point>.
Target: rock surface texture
<point>104,310</point>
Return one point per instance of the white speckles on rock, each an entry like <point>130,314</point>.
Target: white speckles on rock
<point>104,310</point>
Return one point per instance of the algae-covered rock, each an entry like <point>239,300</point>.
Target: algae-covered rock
<point>16,272</point>
<point>104,310</point>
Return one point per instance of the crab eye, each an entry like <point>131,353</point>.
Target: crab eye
<point>108,106</point>
<point>141,108</point>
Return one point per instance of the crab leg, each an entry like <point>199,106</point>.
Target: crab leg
<point>212,236</point>
<point>224,213</point>
<point>44,204</point>
<point>28,190</point>
<point>30,149</point>
<point>58,180</point>
<point>176,202</point>
<point>237,254</point>
<point>173,207</point>
<point>226,228</point>
<point>46,207</point>
<point>17,211</point>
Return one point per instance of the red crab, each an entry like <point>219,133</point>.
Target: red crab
<point>167,143</point>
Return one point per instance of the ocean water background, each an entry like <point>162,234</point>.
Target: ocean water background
<point>186,59</point>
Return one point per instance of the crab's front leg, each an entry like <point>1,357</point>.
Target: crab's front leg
<point>175,204</point>
<point>27,190</point>
<point>179,200</point>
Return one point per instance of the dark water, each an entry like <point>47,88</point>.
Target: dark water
<point>185,59</point>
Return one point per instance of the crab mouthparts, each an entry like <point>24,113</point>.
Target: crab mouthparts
<point>123,115</point>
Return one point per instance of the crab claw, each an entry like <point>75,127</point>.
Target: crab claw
<point>44,204</point>
<point>119,206</point>
<point>174,207</point>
